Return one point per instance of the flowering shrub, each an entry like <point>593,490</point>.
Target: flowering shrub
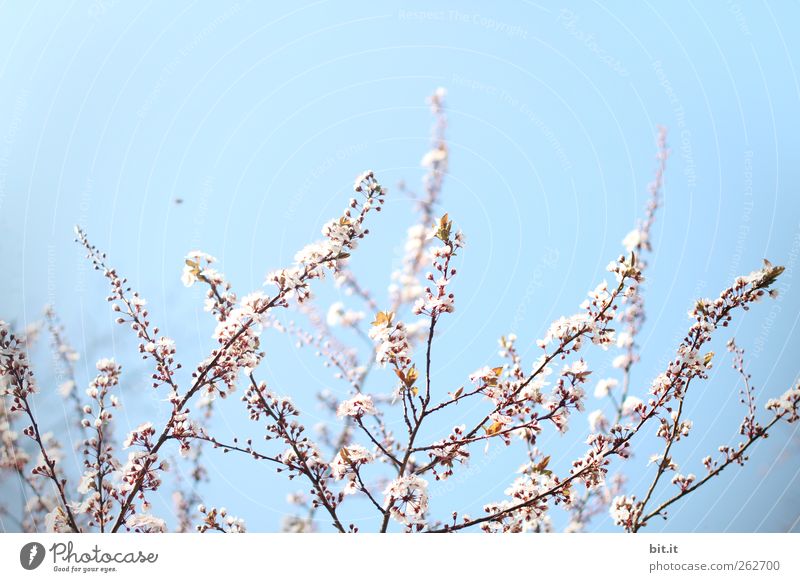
<point>367,455</point>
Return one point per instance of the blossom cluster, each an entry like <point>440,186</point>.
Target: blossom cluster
<point>342,236</point>
<point>407,499</point>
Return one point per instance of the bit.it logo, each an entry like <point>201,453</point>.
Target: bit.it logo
<point>31,555</point>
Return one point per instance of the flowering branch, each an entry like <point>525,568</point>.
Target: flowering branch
<point>735,457</point>
<point>19,383</point>
<point>363,456</point>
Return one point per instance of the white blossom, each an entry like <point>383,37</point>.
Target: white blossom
<point>407,499</point>
<point>604,387</point>
<point>146,523</point>
<point>624,511</point>
<point>357,406</point>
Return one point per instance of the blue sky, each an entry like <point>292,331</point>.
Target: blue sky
<point>259,117</point>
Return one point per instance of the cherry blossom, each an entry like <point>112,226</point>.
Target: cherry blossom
<point>145,523</point>
<point>624,511</point>
<point>407,499</point>
<point>346,464</point>
<point>605,386</point>
<point>357,406</point>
